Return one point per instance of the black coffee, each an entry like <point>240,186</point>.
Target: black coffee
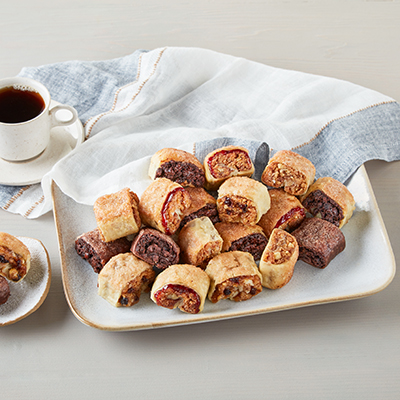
<point>19,104</point>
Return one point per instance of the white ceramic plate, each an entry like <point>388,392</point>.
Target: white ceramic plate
<point>365,267</point>
<point>63,139</point>
<point>29,294</point>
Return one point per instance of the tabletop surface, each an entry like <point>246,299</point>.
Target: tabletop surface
<point>343,350</point>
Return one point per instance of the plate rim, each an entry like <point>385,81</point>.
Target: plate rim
<point>201,318</point>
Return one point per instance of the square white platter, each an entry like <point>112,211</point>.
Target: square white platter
<point>365,267</point>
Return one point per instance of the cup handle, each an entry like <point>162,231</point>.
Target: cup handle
<point>61,119</point>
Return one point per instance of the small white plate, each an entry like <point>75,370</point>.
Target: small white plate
<point>28,295</point>
<point>63,139</point>
<point>365,267</point>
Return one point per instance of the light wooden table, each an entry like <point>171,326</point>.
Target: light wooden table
<point>347,350</point>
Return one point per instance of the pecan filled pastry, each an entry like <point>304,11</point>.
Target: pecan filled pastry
<point>156,248</point>
<point>250,238</point>
<point>181,286</point>
<point>96,252</point>
<point>4,290</point>
<point>234,275</point>
<point>202,205</point>
<point>15,258</point>
<point>123,279</point>
<point>278,259</point>
<point>289,170</point>
<point>226,162</point>
<point>163,204</point>
<point>199,241</point>
<point>329,199</point>
<point>319,241</point>
<point>243,200</point>
<point>286,212</point>
<point>178,166</point>
<point>117,214</point>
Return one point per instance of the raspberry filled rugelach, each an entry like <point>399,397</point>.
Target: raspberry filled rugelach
<point>278,259</point>
<point>319,241</point>
<point>199,241</point>
<point>289,170</point>
<point>117,214</point>
<point>123,279</point>
<point>4,290</point>
<point>243,200</point>
<point>181,286</point>
<point>203,205</point>
<point>226,162</point>
<point>250,238</point>
<point>156,248</point>
<point>178,166</point>
<point>234,275</point>
<point>93,249</point>
<point>329,199</point>
<point>15,258</point>
<point>286,212</point>
<point>163,204</point>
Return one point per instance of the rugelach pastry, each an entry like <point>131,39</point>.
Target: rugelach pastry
<point>226,162</point>
<point>329,199</point>
<point>250,238</point>
<point>178,166</point>
<point>234,275</point>
<point>156,248</point>
<point>163,204</point>
<point>202,205</point>
<point>289,170</point>
<point>319,241</point>
<point>117,214</point>
<point>278,259</point>
<point>93,249</point>
<point>123,279</point>
<point>15,258</point>
<point>181,286</point>
<point>243,200</point>
<point>286,212</point>
<point>199,241</point>
<point>4,290</point>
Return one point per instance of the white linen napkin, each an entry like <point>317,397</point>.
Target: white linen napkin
<point>185,97</point>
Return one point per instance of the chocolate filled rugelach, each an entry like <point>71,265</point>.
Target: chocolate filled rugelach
<point>250,238</point>
<point>289,170</point>
<point>329,199</point>
<point>278,259</point>
<point>226,162</point>
<point>243,200</point>
<point>319,241</point>
<point>286,212</point>
<point>4,290</point>
<point>15,258</point>
<point>156,248</point>
<point>117,214</point>
<point>178,166</point>
<point>181,286</point>
<point>123,279</point>
<point>234,275</point>
<point>199,241</point>
<point>163,204</point>
<point>202,205</point>
<point>93,249</point>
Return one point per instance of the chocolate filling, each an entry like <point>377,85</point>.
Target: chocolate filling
<point>253,244</point>
<point>317,202</point>
<point>181,172</point>
<point>209,210</point>
<point>4,290</point>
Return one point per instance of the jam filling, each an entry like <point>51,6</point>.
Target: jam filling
<point>286,217</point>
<point>162,297</point>
<point>164,209</point>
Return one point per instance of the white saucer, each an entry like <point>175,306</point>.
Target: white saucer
<point>63,139</point>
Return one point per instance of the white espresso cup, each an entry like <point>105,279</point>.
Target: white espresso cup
<point>24,135</point>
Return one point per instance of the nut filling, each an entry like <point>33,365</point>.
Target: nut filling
<point>293,181</point>
<point>131,294</point>
<point>280,248</point>
<point>237,209</point>
<point>12,266</point>
<point>239,288</point>
<point>224,163</point>
<point>178,296</point>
